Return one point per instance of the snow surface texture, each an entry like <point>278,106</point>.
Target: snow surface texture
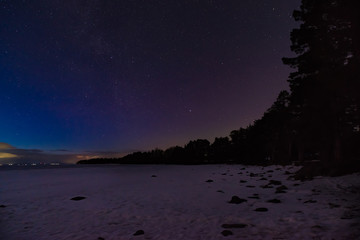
<point>176,202</point>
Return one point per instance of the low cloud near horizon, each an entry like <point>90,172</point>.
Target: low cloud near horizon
<point>11,154</point>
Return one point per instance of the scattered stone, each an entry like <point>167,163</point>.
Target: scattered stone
<point>139,232</point>
<point>299,211</point>
<point>269,171</point>
<point>263,179</point>
<point>250,186</point>
<point>281,189</point>
<point>291,177</point>
<point>234,225</point>
<point>317,227</point>
<point>78,198</point>
<point>287,173</point>
<point>237,200</point>
<point>254,197</point>
<point>274,182</point>
<point>262,209</point>
<point>226,233</point>
<point>278,169</point>
<point>239,172</point>
<point>223,174</point>
<point>316,192</point>
<point>209,180</point>
<point>274,201</point>
<point>243,181</point>
<point>2,206</point>
<point>153,176</point>
<point>266,186</point>
<point>243,168</point>
<point>347,215</point>
<point>220,191</point>
<point>310,201</point>
<point>333,205</point>
<point>253,175</point>
<point>101,238</point>
<point>296,184</point>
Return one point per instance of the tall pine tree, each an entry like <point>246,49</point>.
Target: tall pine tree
<point>325,86</point>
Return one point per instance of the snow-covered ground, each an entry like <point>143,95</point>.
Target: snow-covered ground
<point>176,202</point>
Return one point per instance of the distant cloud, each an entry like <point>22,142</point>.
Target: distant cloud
<point>5,151</point>
<point>4,146</point>
<point>11,154</point>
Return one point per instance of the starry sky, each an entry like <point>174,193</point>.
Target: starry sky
<point>103,78</point>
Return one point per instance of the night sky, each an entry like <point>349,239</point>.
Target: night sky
<point>103,78</point>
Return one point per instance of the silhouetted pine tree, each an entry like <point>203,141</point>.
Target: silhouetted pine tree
<point>325,86</point>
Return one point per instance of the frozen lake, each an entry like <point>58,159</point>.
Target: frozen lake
<point>176,202</point>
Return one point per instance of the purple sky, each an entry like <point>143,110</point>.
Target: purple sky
<point>96,78</point>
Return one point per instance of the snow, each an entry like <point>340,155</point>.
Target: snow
<point>175,202</point>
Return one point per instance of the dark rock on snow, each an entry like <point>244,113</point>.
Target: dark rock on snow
<point>139,232</point>
<point>78,198</point>
<point>261,209</point>
<point>237,200</point>
<point>226,233</point>
<point>274,201</point>
<point>234,225</point>
<point>274,182</point>
<point>281,189</point>
<point>333,205</point>
<point>209,180</point>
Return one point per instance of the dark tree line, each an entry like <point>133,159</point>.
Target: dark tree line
<point>318,119</point>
